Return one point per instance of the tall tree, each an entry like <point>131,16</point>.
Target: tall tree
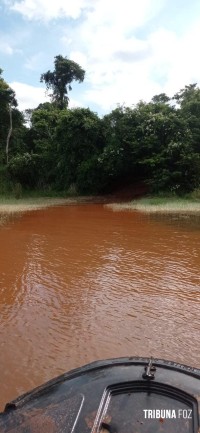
<point>59,80</point>
<point>162,98</point>
<point>7,103</point>
<point>189,101</point>
<point>190,93</point>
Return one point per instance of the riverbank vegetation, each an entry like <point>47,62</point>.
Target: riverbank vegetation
<point>11,206</point>
<point>158,204</point>
<point>55,150</point>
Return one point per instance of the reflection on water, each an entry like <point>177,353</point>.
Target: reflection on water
<point>81,283</point>
<point>182,220</point>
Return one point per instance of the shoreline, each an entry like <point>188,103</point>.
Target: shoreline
<point>10,207</point>
<point>156,205</point>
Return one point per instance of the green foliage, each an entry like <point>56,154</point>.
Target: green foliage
<point>74,150</point>
<point>8,106</point>
<point>119,157</point>
<point>189,100</point>
<point>187,95</point>
<point>79,137</point>
<point>5,181</point>
<point>7,95</point>
<point>59,81</point>
<point>92,177</point>
<point>72,190</point>
<point>24,169</point>
<point>7,102</point>
<point>17,190</point>
<point>161,98</point>
<point>195,194</point>
<point>40,141</point>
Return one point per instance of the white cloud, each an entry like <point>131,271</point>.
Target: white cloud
<point>126,87</point>
<point>48,9</point>
<point>121,16</point>
<point>124,69</point>
<point>34,62</point>
<point>73,103</point>
<point>114,59</point>
<point>31,96</point>
<point>124,15</point>
<point>120,67</point>
<point>79,58</point>
<point>185,62</point>
<point>6,48</point>
<point>28,96</point>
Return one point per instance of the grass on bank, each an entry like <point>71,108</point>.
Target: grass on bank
<point>11,206</point>
<point>188,205</point>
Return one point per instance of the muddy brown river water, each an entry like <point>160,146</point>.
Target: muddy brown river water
<point>81,283</point>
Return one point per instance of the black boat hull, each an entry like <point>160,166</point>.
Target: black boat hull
<point>123,395</point>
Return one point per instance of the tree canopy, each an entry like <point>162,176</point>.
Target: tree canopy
<point>59,81</point>
<point>11,120</point>
<point>156,142</point>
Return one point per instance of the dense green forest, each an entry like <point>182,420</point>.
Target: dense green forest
<point>54,148</point>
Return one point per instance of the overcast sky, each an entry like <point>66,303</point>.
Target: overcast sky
<point>130,49</point>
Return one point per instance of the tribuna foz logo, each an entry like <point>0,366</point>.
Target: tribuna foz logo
<point>167,413</point>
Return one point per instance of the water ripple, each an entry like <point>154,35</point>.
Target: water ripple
<point>86,284</point>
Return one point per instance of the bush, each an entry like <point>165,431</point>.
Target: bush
<point>17,190</point>
<point>72,190</point>
<point>23,169</point>
<point>5,182</point>
<point>91,178</point>
<point>195,194</point>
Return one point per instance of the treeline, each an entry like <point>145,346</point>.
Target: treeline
<point>56,148</point>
